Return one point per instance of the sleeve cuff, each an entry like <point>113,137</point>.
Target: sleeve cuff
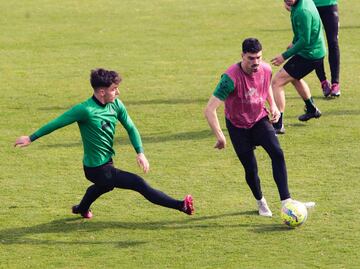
<point>285,55</point>
<point>33,137</point>
<point>222,98</point>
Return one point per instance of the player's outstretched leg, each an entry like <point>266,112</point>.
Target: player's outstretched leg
<point>126,180</point>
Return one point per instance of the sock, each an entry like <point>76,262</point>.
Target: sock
<point>310,106</point>
<point>280,122</point>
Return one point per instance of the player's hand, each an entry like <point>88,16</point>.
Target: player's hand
<point>220,143</point>
<point>275,114</point>
<point>143,162</point>
<point>22,141</point>
<point>278,60</point>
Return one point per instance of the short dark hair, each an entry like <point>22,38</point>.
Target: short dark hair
<point>101,78</point>
<point>251,45</point>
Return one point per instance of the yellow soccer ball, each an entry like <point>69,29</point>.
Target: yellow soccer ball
<point>294,213</point>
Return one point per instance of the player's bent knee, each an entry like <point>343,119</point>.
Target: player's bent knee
<point>106,188</point>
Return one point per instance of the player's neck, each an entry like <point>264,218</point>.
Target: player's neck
<point>247,71</point>
<point>99,98</point>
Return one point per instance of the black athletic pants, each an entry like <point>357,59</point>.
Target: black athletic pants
<point>330,19</point>
<point>244,142</point>
<point>106,177</point>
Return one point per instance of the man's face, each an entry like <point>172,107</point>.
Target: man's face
<point>251,61</point>
<point>290,2</point>
<point>110,93</point>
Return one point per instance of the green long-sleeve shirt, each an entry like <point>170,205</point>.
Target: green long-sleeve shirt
<point>97,124</point>
<point>308,40</point>
<point>323,3</point>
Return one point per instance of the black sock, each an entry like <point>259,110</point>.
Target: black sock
<point>278,124</point>
<point>310,106</point>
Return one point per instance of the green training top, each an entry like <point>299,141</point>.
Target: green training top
<point>323,3</point>
<point>308,41</point>
<point>97,127</point>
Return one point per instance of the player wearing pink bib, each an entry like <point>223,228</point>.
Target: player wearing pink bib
<point>244,88</point>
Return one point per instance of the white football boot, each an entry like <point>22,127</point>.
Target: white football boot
<point>264,209</point>
<point>308,205</point>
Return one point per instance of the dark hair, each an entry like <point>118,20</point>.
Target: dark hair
<point>101,78</point>
<point>251,45</point>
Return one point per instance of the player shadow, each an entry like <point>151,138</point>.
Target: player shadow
<point>296,125</point>
<point>32,235</point>
<point>275,30</point>
<point>60,227</point>
<point>180,136</point>
<point>315,97</point>
<point>147,139</point>
<point>343,112</point>
<point>166,101</point>
<point>271,228</point>
<point>138,102</point>
<point>55,108</point>
<point>350,27</point>
<point>327,113</point>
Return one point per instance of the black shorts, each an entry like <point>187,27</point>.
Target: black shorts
<point>245,140</point>
<point>298,67</point>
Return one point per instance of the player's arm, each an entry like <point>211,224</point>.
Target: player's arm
<point>274,111</point>
<point>212,119</point>
<point>223,89</point>
<point>303,23</point>
<point>304,26</point>
<point>134,137</point>
<point>77,113</point>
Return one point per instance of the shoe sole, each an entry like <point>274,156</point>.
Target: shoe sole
<point>315,117</point>
<point>327,94</point>
<point>265,215</point>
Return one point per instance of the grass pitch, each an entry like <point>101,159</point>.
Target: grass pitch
<point>171,55</point>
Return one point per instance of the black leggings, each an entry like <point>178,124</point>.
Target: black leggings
<point>106,177</point>
<point>244,142</point>
<point>330,19</point>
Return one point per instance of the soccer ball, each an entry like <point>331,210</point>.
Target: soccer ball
<point>293,213</point>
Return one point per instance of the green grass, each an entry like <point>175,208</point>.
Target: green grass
<point>171,55</point>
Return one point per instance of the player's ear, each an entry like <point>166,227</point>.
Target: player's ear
<point>101,91</point>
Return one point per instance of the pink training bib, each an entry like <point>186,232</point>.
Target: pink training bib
<point>246,104</point>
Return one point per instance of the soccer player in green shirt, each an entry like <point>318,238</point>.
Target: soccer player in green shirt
<point>305,53</point>
<point>97,118</point>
